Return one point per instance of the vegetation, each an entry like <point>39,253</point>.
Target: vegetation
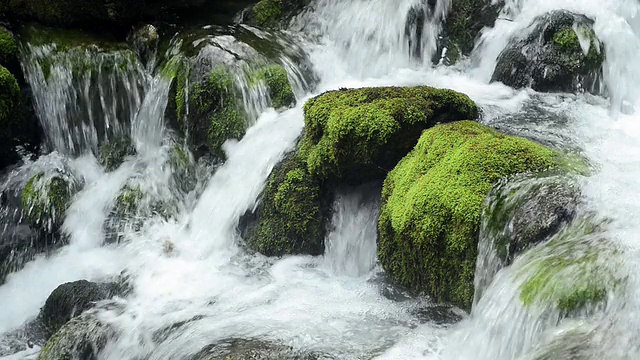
<point>45,200</point>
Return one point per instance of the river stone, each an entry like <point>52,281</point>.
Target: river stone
<point>239,349</point>
<point>81,338</point>
<point>558,53</point>
<point>72,299</point>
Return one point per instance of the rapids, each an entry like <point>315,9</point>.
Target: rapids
<point>340,304</point>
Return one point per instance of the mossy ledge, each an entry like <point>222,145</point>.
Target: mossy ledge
<point>432,204</point>
<point>351,137</point>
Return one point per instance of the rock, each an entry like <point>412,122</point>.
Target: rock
<point>77,13</point>
<point>112,154</point>
<point>239,349</point>
<point>351,137</point>
<point>145,41</point>
<point>573,273</point>
<point>81,338</point>
<point>560,52</point>
<point>527,211</point>
<point>9,123</point>
<point>462,25</point>
<point>9,57</point>
<point>274,13</point>
<point>70,300</point>
<point>210,85</point>
<point>45,200</point>
<point>432,202</point>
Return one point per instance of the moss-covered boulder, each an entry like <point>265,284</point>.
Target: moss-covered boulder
<point>70,300</point>
<point>574,272</point>
<point>76,13</point>
<point>9,51</point>
<point>432,204</point>
<point>277,82</point>
<point>45,200</point>
<point>81,338</point>
<point>274,13</point>
<point>351,137</point>
<point>462,25</point>
<point>9,116</point>
<point>560,53</point>
<point>112,154</point>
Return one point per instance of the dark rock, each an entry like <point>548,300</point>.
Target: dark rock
<point>559,52</point>
<point>145,42</point>
<point>239,349</point>
<point>113,153</point>
<point>81,338</point>
<point>72,299</point>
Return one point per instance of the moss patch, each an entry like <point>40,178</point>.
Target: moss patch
<point>572,272</point>
<point>113,154</point>
<point>45,201</point>
<point>267,13</point>
<point>432,203</point>
<point>8,50</point>
<point>277,81</point>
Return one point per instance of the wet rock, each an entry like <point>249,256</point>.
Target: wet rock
<point>559,52</point>
<point>72,299</point>
<point>81,338</point>
<point>239,349</point>
<point>273,13</point>
<point>527,211</point>
<point>378,126</point>
<point>9,122</point>
<point>432,201</point>
<point>113,153</point>
<point>145,41</point>
<point>45,199</point>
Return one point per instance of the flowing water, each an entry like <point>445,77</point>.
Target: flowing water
<point>194,284</point>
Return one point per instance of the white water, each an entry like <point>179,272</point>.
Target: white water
<point>335,304</point>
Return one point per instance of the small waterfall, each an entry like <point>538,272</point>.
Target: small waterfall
<point>351,245</point>
<point>83,95</point>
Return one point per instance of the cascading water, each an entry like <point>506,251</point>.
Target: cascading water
<point>192,283</point>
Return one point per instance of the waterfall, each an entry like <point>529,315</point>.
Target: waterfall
<point>193,282</point>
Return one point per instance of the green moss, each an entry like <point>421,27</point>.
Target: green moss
<point>363,133</point>
<point>128,201</point>
<point>291,219</point>
<point>571,272</point>
<point>216,111</point>
<point>432,203</point>
<point>45,201</point>
<point>8,50</point>
<point>113,154</point>
<point>463,23</point>
<point>277,81</point>
<point>566,39</point>
<point>267,13</point>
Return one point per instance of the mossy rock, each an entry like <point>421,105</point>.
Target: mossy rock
<point>70,300</point>
<point>9,57</point>
<point>9,116</point>
<point>291,217</point>
<point>183,169</point>
<point>113,153</point>
<point>351,137</point>
<point>274,13</point>
<point>462,25</point>
<point>359,135</point>
<point>276,79</point>
<point>241,349</point>
<point>45,200</point>
<point>574,271</point>
<point>81,338</point>
<point>551,56</point>
<point>432,204</point>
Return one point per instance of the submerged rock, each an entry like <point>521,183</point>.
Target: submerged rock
<point>432,203</point>
<point>527,211</point>
<point>351,137</point>
<point>238,349</point>
<point>70,300</point>
<point>81,338</point>
<point>559,52</point>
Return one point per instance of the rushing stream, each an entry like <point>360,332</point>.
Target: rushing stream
<point>191,269</point>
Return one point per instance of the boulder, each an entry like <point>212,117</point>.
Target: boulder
<point>9,116</point>
<point>560,52</point>
<point>351,137</point>
<point>432,203</point>
<point>9,57</point>
<point>70,300</point>
<point>45,199</point>
<point>81,338</point>
<point>239,349</point>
